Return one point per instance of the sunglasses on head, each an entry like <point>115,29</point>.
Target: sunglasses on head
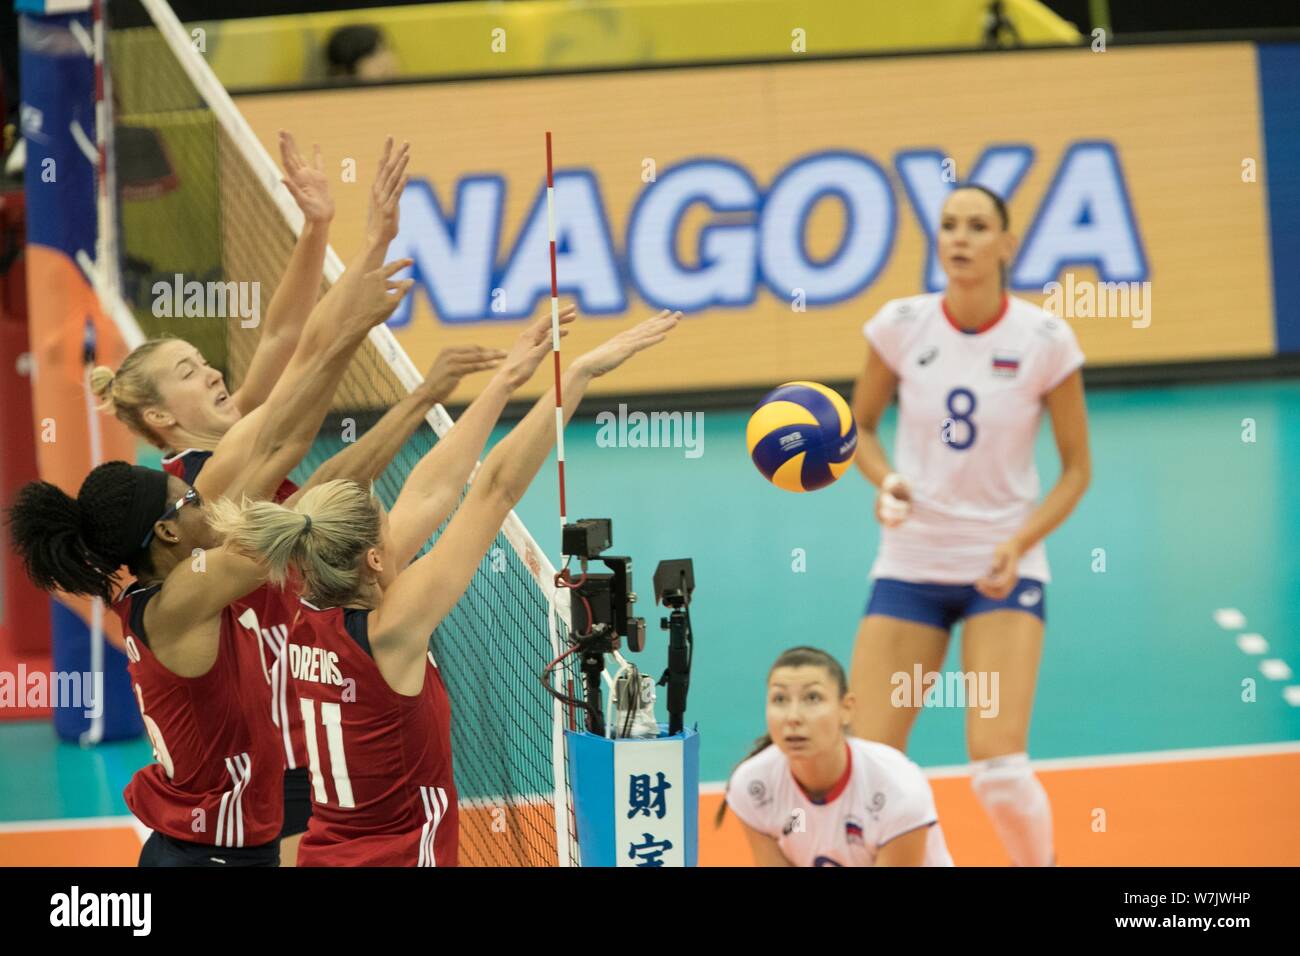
<point>190,497</point>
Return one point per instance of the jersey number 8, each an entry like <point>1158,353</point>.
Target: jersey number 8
<point>958,430</point>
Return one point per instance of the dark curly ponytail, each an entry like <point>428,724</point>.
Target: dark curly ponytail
<point>78,545</point>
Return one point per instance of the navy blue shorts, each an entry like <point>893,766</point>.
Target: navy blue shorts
<point>943,605</point>
<point>297,802</point>
<point>162,850</point>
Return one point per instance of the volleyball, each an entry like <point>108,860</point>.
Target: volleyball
<point>802,436</point>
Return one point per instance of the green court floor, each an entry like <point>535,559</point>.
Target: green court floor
<point>1191,519</point>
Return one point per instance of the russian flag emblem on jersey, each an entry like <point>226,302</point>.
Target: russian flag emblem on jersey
<point>852,830</point>
<point>1004,364</point>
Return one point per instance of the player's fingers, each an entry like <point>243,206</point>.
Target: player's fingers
<point>289,148</point>
<point>396,266</point>
<point>286,159</point>
<point>398,180</point>
<point>396,166</point>
<point>393,198</point>
<point>317,162</point>
<point>294,191</point>
<point>388,150</point>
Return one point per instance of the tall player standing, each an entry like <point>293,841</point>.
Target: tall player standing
<point>963,529</point>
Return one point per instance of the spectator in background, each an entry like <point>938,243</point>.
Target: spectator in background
<point>359,52</point>
<point>10,132</point>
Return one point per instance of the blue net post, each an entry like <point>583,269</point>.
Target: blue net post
<point>637,801</point>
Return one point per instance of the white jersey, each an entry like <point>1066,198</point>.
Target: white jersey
<point>883,795</point>
<point>970,405</point>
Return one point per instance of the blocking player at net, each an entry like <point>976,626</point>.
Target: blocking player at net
<point>214,795</point>
<point>377,714</point>
<point>167,394</point>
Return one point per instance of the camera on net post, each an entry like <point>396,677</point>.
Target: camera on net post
<point>602,618</point>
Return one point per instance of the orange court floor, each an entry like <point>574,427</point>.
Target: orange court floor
<point>1229,807</point>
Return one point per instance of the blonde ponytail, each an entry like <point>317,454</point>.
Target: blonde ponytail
<point>101,386</point>
<point>323,538</point>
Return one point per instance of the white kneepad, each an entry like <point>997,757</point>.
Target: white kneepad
<point>1017,804</point>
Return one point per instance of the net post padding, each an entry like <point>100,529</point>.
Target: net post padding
<point>263,166</point>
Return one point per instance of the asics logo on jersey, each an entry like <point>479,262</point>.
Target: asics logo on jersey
<point>927,356</point>
<point>1030,596</point>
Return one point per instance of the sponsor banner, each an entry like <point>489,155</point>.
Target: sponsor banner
<point>781,205</point>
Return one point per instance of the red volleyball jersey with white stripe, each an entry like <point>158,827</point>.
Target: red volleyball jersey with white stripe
<point>269,617</point>
<point>969,410</point>
<point>881,796</point>
<point>382,789</point>
<point>218,776</point>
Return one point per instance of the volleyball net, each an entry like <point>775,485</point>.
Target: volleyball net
<point>199,199</point>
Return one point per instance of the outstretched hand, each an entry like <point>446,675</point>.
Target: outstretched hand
<point>384,211</point>
<point>308,184</point>
<point>605,358</point>
<point>532,345</point>
<point>377,295</point>
<point>454,363</point>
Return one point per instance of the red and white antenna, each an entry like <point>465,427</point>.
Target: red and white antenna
<point>555,326</point>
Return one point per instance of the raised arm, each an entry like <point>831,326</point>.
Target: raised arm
<point>299,402</point>
<point>434,486</point>
<point>299,287</point>
<point>365,459</point>
<point>425,592</point>
<point>183,621</point>
<point>318,344</point>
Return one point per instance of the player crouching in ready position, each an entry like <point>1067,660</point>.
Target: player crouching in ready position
<point>811,795</point>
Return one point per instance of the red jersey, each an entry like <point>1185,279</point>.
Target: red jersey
<point>187,464</point>
<point>219,773</point>
<point>268,620</point>
<point>382,788</point>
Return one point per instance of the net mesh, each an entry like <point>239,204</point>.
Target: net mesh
<point>191,207</point>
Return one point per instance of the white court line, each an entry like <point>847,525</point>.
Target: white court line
<point>717,786</point>
<point>1110,760</point>
<point>71,823</point>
